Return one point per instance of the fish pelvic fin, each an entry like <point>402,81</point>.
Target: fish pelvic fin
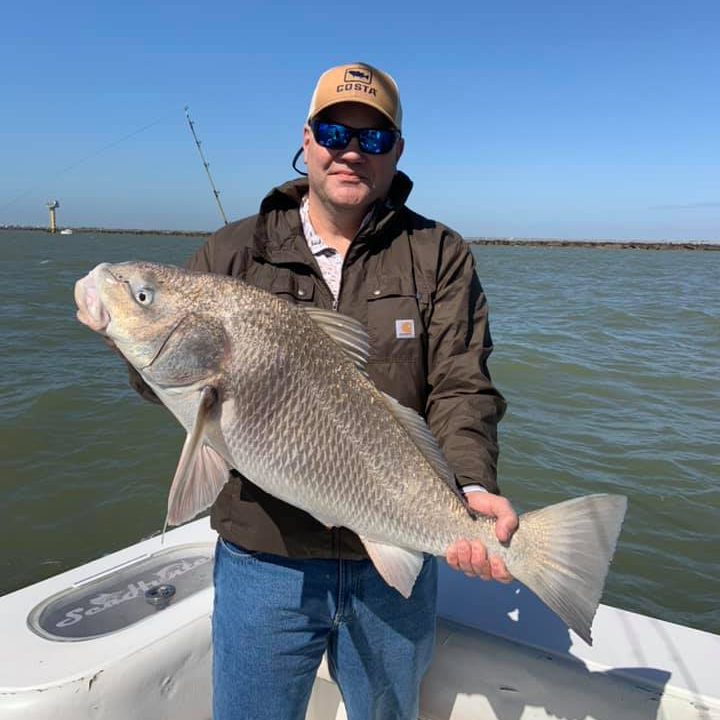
<point>571,545</point>
<point>397,566</point>
<point>201,472</point>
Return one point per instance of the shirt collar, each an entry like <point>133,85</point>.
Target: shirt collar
<point>315,242</point>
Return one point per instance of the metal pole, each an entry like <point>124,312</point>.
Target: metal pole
<point>206,164</point>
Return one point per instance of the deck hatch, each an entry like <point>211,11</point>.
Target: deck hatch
<point>116,600</point>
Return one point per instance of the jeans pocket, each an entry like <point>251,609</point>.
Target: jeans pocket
<point>236,551</point>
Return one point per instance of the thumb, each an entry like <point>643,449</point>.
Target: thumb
<point>506,523</point>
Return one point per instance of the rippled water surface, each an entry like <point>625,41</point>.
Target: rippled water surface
<point>609,360</point>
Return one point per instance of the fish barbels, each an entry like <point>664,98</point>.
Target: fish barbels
<point>281,393</point>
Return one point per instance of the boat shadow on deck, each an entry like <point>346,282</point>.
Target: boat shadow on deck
<point>500,648</point>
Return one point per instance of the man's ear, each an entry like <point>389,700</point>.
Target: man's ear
<point>306,141</point>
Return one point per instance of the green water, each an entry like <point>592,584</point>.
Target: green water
<point>609,360</point>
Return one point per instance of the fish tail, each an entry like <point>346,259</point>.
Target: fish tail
<point>570,546</point>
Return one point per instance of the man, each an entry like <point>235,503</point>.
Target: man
<point>287,589</point>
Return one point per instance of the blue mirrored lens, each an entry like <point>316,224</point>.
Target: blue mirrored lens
<point>331,135</point>
<point>335,136</point>
<point>376,142</point>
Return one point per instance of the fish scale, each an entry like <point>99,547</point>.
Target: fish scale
<point>373,464</point>
<point>281,394</point>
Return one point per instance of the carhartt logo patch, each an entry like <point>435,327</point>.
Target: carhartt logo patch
<point>405,328</point>
<point>358,75</point>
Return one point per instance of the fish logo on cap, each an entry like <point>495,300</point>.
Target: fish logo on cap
<point>358,74</point>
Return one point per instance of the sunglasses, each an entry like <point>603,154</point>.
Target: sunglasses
<point>335,136</point>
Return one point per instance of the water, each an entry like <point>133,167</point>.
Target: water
<point>609,360</point>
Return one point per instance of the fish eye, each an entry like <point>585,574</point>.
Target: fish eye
<point>144,296</point>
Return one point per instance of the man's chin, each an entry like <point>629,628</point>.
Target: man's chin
<point>351,195</point>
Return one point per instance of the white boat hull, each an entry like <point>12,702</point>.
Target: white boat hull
<point>500,655</point>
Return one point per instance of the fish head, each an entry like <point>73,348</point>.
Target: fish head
<point>159,318</point>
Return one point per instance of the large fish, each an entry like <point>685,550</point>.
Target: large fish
<point>281,394</point>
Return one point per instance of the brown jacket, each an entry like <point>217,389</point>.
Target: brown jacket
<point>401,266</point>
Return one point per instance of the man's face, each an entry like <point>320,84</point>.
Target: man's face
<point>350,178</point>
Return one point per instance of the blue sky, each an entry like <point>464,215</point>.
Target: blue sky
<point>524,119</point>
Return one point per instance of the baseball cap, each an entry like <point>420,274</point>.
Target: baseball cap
<point>361,83</point>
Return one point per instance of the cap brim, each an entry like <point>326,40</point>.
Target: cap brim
<point>363,101</point>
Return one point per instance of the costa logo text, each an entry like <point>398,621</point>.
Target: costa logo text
<point>347,87</point>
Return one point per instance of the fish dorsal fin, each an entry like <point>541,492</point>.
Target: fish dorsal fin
<point>347,332</point>
<point>419,431</point>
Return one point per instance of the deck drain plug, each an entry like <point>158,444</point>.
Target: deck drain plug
<point>160,595</point>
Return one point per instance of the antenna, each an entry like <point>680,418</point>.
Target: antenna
<point>206,164</point>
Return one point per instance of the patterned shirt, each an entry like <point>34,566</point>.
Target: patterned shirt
<point>328,258</point>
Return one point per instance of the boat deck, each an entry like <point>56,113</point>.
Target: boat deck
<point>500,654</point>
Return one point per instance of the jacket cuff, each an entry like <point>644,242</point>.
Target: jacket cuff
<point>473,488</point>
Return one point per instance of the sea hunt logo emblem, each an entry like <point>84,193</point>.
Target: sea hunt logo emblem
<point>404,328</point>
<point>358,75</point>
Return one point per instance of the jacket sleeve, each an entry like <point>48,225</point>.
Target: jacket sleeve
<point>463,406</point>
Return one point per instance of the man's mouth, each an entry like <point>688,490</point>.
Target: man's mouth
<point>348,175</point>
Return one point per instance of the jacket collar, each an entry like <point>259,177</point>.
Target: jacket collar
<point>279,228</point>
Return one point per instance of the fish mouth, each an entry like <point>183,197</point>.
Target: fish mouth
<point>91,310</point>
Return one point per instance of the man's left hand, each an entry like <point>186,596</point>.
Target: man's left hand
<point>470,556</point>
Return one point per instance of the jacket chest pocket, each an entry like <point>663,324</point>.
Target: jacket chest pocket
<point>395,323</point>
<point>297,289</point>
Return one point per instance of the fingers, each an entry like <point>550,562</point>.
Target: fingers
<point>506,519</point>
<point>499,571</point>
<point>472,559</point>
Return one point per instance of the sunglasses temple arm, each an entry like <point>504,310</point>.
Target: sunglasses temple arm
<point>294,163</point>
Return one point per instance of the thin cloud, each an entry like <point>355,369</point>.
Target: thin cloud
<point>688,206</point>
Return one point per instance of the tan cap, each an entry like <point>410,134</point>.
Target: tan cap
<point>358,82</point>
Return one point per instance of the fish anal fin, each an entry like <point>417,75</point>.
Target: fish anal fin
<point>398,566</point>
<point>201,472</point>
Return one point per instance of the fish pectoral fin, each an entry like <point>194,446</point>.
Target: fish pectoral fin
<point>398,566</point>
<point>201,471</point>
<point>201,478</point>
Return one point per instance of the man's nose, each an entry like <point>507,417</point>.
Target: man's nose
<point>352,151</point>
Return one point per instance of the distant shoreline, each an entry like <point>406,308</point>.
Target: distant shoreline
<point>598,244</point>
<point>111,231</point>
<point>524,242</point>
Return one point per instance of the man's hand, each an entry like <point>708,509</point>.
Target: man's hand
<point>471,556</point>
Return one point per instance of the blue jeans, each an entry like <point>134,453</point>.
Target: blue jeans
<point>274,617</point>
